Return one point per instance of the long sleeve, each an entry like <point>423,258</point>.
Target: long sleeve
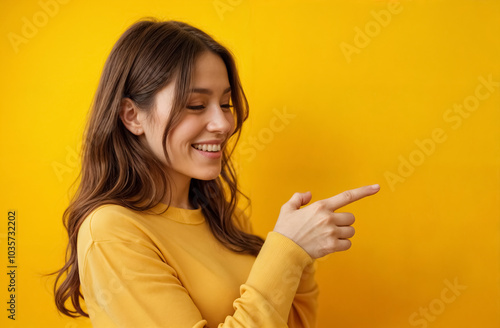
<point>303,312</point>
<point>305,303</point>
<point>129,286</point>
<point>127,282</point>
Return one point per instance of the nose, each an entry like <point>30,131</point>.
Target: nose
<point>219,120</point>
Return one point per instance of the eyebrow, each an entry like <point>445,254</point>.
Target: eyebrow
<point>208,91</point>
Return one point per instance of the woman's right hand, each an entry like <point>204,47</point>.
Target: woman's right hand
<point>317,228</point>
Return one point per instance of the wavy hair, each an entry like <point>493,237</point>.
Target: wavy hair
<point>116,166</point>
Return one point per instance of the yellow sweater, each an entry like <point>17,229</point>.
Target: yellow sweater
<point>167,270</point>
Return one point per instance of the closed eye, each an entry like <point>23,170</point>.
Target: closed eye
<point>196,107</point>
<point>200,107</point>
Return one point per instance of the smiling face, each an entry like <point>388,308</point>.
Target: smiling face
<point>205,124</point>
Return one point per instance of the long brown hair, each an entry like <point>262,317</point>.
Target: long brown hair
<point>116,167</point>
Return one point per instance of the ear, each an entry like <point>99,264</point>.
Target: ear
<point>131,116</point>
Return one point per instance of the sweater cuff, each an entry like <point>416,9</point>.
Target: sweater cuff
<point>278,269</point>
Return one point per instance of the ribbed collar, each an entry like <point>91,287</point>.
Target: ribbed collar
<point>181,215</point>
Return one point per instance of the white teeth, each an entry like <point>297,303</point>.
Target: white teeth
<point>205,147</point>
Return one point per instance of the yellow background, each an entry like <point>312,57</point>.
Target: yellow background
<point>352,120</point>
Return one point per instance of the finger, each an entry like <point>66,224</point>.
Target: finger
<point>345,232</point>
<point>343,219</point>
<point>299,199</point>
<point>343,245</point>
<point>350,196</point>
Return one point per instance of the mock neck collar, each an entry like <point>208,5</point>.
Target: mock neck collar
<point>181,215</point>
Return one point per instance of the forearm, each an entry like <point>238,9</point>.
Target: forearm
<point>305,304</point>
<point>270,296</point>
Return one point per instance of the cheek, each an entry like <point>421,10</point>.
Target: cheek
<point>230,119</point>
<point>184,134</point>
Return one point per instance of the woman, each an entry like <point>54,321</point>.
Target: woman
<point>155,236</point>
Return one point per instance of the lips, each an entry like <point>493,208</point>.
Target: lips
<point>209,142</point>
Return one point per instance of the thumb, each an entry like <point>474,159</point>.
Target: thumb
<point>299,199</point>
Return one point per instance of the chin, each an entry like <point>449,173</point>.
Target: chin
<point>205,178</point>
<point>208,175</point>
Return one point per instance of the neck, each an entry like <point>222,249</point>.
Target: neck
<point>179,192</point>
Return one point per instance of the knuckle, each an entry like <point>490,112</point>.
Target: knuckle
<point>335,245</point>
<point>320,205</point>
<point>328,247</point>
<point>332,245</point>
<point>294,196</point>
<point>326,221</point>
<point>348,196</point>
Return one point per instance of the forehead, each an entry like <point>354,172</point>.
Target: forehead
<point>210,72</point>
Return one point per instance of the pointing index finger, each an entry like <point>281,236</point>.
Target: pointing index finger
<point>350,196</point>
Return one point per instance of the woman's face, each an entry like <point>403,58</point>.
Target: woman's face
<point>206,123</point>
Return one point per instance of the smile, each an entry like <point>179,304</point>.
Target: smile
<point>208,151</point>
<point>207,148</point>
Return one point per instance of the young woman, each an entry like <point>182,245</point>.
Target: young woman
<point>155,235</point>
